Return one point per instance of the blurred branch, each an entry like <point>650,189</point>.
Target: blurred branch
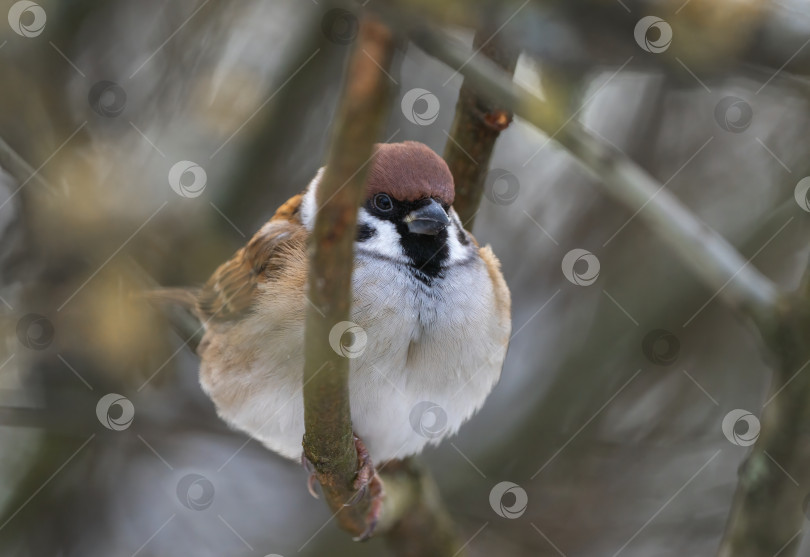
<point>766,516</point>
<point>711,39</point>
<point>410,509</point>
<point>709,255</point>
<point>423,526</point>
<point>768,511</point>
<point>477,124</point>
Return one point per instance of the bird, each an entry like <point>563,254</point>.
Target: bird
<point>429,325</point>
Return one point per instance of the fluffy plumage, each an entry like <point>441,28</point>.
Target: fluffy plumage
<point>434,306</point>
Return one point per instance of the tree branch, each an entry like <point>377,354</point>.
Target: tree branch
<point>589,34</point>
<point>477,124</point>
<point>412,511</point>
<point>328,441</point>
<point>770,506</point>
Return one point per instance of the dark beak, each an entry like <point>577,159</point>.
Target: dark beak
<point>430,219</point>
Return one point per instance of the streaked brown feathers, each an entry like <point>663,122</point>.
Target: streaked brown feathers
<point>230,292</point>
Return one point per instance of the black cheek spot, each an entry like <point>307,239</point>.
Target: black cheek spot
<point>365,232</point>
<point>462,237</point>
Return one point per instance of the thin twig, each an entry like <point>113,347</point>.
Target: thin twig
<point>478,123</point>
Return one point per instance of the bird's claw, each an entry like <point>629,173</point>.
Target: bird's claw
<point>312,480</point>
<point>367,482</point>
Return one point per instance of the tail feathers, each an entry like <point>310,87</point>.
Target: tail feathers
<point>180,296</point>
<point>187,324</point>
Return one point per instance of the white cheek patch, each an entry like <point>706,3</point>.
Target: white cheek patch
<point>457,252</point>
<point>308,204</point>
<point>384,242</point>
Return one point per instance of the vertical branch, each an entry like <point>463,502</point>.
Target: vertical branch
<point>328,442</point>
<point>477,124</point>
<point>423,527</point>
<point>412,517</point>
<point>771,501</point>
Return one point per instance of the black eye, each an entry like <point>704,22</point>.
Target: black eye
<point>382,202</point>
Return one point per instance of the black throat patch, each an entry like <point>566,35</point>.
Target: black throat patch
<point>427,253</point>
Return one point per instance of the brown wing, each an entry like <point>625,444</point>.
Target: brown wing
<point>229,293</point>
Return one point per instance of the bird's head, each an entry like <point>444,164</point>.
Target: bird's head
<point>410,186</point>
<point>407,215</point>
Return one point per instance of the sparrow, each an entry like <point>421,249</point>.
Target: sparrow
<point>430,316</point>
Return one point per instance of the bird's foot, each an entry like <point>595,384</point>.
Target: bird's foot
<point>367,483</point>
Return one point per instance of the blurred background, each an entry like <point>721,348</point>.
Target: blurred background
<point>141,143</point>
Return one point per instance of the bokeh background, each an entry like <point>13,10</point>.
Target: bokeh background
<point>609,411</point>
